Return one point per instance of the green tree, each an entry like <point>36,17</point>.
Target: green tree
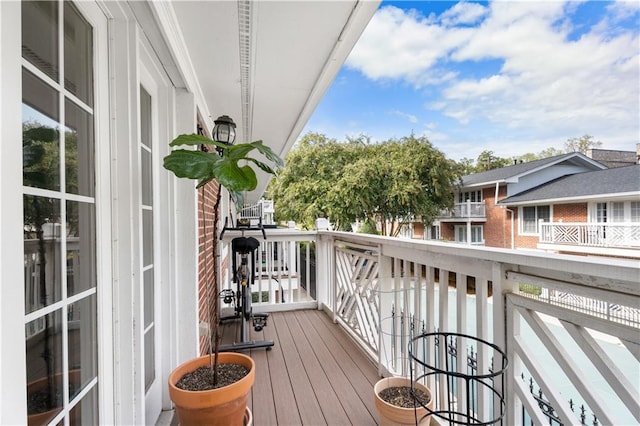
<point>487,160</point>
<point>393,182</point>
<point>313,167</point>
<point>581,144</point>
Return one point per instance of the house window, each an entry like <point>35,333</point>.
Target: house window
<point>617,211</point>
<point>476,234</point>
<point>635,211</point>
<point>601,212</point>
<point>473,196</point>
<point>531,215</point>
<point>434,233</point>
<point>59,214</point>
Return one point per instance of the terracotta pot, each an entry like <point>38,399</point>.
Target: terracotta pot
<point>225,406</point>
<point>45,417</point>
<point>392,415</point>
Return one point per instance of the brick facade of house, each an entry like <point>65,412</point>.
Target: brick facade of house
<point>206,258</point>
<point>575,212</point>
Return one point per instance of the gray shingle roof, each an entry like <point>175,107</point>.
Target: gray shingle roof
<point>503,173</point>
<point>600,182</point>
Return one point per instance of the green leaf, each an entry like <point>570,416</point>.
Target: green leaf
<point>191,164</point>
<point>195,140</point>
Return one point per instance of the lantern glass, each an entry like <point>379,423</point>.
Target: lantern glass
<point>224,130</point>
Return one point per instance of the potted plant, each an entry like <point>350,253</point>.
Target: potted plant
<point>401,402</point>
<point>229,166</point>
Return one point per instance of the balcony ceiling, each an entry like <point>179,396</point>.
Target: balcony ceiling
<point>266,64</point>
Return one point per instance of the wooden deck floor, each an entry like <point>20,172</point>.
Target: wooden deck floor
<point>313,375</point>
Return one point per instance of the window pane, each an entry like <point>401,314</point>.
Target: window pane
<point>79,151</point>
<point>529,219</point>
<point>617,211</point>
<point>544,213</point>
<point>40,141</point>
<point>85,412</point>
<point>149,295</point>
<point>40,35</point>
<point>601,212</point>
<point>147,182</point>
<point>42,250</point>
<point>147,237</point>
<point>635,211</point>
<point>145,117</point>
<point>149,358</point>
<point>83,344</point>
<point>78,55</point>
<point>81,247</point>
<point>44,368</point>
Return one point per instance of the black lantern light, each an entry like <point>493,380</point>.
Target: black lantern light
<point>224,130</point>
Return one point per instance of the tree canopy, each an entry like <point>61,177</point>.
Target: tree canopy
<point>391,182</point>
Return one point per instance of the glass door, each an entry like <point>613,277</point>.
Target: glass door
<point>150,354</point>
<point>59,216</point>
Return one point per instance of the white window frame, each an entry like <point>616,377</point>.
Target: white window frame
<point>463,196</point>
<point>13,407</point>
<point>521,229</point>
<point>475,230</point>
<point>609,208</point>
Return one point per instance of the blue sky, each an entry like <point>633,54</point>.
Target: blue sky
<point>508,76</point>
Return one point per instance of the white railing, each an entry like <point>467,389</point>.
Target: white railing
<point>263,209</point>
<point>384,291</point>
<point>284,269</point>
<point>466,210</point>
<point>591,234</point>
<point>569,324</point>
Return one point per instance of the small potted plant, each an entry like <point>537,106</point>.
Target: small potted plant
<point>229,166</point>
<point>400,402</point>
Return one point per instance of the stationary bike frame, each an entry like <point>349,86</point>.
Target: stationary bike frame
<point>244,277</point>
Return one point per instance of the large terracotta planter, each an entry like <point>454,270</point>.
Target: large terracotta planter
<point>391,415</point>
<point>224,406</point>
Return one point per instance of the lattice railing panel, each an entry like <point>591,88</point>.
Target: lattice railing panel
<point>356,298</point>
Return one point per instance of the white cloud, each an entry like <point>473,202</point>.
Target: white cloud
<point>409,117</point>
<point>463,13</point>
<point>549,83</point>
<point>398,45</point>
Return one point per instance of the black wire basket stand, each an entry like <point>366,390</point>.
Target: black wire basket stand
<point>466,375</point>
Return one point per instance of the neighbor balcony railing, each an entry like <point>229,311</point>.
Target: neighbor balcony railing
<point>569,324</point>
<point>465,210</point>
<point>591,234</point>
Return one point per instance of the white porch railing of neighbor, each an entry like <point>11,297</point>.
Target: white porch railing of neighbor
<point>386,291</point>
<point>466,210</point>
<point>285,269</point>
<point>591,234</point>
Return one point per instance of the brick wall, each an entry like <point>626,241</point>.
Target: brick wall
<point>575,212</point>
<point>206,257</point>
<point>497,229</point>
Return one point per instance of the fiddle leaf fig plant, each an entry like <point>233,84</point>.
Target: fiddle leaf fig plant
<point>231,167</point>
<point>224,167</point>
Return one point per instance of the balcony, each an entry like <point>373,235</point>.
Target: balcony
<point>475,212</point>
<point>613,239</point>
<point>570,326</point>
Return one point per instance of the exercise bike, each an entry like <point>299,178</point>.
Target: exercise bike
<point>244,249</point>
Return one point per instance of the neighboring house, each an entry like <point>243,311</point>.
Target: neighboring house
<point>102,250</point>
<point>541,200</point>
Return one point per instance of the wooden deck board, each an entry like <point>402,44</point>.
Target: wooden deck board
<point>343,374</point>
<point>313,375</point>
<point>318,374</point>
